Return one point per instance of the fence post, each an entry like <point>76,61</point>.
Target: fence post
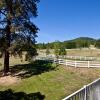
<point>75,57</point>
<point>75,64</point>
<point>55,61</point>
<point>85,58</point>
<point>58,61</point>
<point>66,62</point>
<point>80,57</point>
<point>85,87</point>
<point>88,64</point>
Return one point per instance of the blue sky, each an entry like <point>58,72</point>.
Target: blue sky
<point>67,19</point>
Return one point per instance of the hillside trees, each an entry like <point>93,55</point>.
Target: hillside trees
<point>47,50</point>
<point>98,44</point>
<point>59,49</point>
<point>70,45</point>
<point>62,51</point>
<point>82,42</point>
<point>56,48</point>
<point>16,27</point>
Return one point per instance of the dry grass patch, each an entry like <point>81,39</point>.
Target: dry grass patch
<point>9,80</point>
<point>91,73</point>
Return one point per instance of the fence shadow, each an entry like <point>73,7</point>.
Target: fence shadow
<point>10,95</point>
<point>33,68</point>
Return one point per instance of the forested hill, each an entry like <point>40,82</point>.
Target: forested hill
<point>87,39</point>
<point>81,42</point>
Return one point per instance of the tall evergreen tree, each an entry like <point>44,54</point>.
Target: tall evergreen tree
<point>16,27</point>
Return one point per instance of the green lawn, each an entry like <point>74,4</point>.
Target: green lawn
<point>54,83</point>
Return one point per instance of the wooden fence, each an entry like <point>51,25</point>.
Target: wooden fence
<point>75,63</point>
<point>88,92</point>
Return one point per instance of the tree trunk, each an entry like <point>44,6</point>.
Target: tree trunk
<point>6,62</point>
<point>6,52</point>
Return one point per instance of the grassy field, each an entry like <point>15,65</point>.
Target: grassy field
<point>84,52</point>
<point>78,52</point>
<point>53,83</point>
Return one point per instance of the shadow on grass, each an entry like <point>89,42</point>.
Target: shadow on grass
<point>10,95</point>
<point>34,68</point>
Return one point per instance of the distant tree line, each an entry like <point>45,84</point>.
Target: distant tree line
<point>82,42</point>
<point>97,44</point>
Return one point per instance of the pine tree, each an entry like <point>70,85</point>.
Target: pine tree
<point>16,27</point>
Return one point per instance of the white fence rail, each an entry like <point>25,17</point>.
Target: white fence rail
<point>87,64</point>
<point>74,63</point>
<point>88,92</point>
<point>81,58</point>
<point>86,58</point>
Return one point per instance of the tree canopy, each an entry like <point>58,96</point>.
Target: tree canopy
<point>17,29</point>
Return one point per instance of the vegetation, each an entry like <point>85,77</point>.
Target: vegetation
<point>82,42</point>
<point>40,79</point>
<point>98,44</point>
<point>43,79</point>
<point>59,49</point>
<point>84,52</point>
<point>62,51</point>
<point>56,48</point>
<point>47,50</point>
<point>16,28</point>
<point>11,95</point>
